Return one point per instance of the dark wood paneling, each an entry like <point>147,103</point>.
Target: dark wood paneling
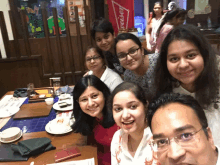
<point>25,33</point>
<point>15,35</point>
<point>58,43</point>
<point>35,60</point>
<point>79,39</point>
<point>4,34</point>
<point>48,45</point>
<point>18,73</point>
<point>202,18</point>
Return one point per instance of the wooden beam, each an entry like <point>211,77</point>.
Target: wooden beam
<point>4,34</point>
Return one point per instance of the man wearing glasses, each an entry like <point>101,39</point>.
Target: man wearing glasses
<point>180,131</point>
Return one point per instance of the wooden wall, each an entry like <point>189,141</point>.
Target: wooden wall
<point>35,60</point>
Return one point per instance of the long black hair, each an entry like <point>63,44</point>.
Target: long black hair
<point>84,123</point>
<point>206,85</point>
<point>178,13</point>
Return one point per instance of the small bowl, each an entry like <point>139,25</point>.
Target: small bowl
<point>49,101</point>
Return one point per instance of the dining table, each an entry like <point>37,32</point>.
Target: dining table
<point>60,141</point>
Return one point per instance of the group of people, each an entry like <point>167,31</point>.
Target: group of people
<point>158,108</point>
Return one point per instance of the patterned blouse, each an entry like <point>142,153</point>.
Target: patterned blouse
<point>144,154</point>
<point>147,80</point>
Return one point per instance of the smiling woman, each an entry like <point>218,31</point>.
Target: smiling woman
<point>91,116</point>
<point>139,66</point>
<point>129,106</point>
<point>95,62</point>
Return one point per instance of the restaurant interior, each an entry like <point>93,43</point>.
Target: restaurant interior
<point>42,47</point>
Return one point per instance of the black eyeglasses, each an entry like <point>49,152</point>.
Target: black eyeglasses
<point>131,52</point>
<point>92,58</point>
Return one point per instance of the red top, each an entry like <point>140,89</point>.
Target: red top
<point>102,137</point>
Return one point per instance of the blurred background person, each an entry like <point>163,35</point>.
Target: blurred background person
<point>152,26</point>
<point>172,6</point>
<point>170,20</point>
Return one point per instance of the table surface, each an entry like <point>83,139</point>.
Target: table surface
<point>60,142</point>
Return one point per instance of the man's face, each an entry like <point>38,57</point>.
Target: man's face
<point>175,119</point>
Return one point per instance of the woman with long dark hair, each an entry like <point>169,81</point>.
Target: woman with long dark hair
<point>92,117</point>
<point>187,64</point>
<point>171,19</point>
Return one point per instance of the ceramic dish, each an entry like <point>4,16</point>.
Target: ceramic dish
<point>70,107</point>
<point>10,135</point>
<point>52,124</point>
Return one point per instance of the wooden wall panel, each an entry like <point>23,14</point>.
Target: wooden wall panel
<point>65,51</point>
<point>35,60</point>
<point>18,73</point>
<point>55,56</point>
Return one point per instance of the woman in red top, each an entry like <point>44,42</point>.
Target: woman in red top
<point>91,116</point>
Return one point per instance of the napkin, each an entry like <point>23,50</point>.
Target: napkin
<point>8,155</point>
<point>33,147</point>
<point>20,92</point>
<point>66,89</point>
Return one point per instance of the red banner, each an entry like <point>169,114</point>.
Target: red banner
<point>121,14</point>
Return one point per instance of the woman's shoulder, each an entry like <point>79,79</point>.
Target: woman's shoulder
<point>112,73</point>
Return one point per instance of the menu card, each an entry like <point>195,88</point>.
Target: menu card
<point>9,101</point>
<point>77,162</point>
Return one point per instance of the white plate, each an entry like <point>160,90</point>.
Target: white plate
<point>57,107</point>
<point>6,112</point>
<point>12,140</point>
<point>47,128</point>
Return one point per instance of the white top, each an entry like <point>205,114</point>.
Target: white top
<point>121,156</point>
<point>111,78</point>
<point>212,114</point>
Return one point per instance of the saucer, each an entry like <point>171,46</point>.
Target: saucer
<point>59,126</point>
<point>10,135</point>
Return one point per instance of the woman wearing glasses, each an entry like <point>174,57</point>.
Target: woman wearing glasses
<point>91,116</point>
<point>139,66</point>
<point>188,65</point>
<point>130,144</point>
<point>95,62</point>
